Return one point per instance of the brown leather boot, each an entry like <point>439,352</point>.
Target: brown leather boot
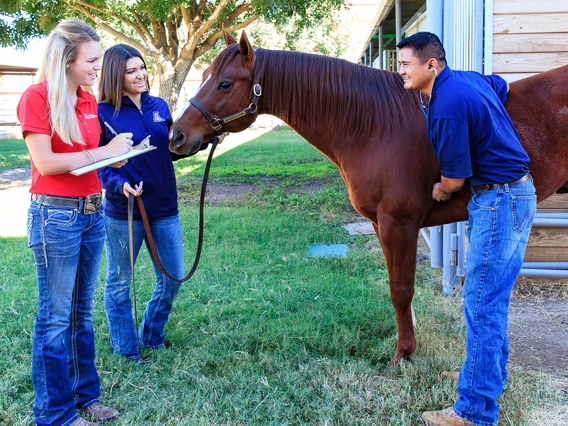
<point>445,417</point>
<point>452,375</point>
<point>100,412</point>
<point>82,422</point>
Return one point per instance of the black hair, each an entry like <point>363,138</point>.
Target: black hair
<point>425,46</point>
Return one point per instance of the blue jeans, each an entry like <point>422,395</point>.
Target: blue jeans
<point>500,220</point>
<point>67,246</point>
<point>167,237</point>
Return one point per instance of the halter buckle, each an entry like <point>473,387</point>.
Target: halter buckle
<point>216,125</point>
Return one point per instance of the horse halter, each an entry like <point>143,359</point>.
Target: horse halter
<point>218,123</point>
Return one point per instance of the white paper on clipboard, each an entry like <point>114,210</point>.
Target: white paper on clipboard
<point>100,164</point>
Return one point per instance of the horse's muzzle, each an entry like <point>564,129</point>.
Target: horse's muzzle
<point>180,144</point>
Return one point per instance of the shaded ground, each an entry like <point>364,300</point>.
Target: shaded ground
<point>219,193</point>
<point>538,326</point>
<point>538,317</point>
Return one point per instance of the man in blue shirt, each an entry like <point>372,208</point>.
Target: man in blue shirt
<point>477,145</point>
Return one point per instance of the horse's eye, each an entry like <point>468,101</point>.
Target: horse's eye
<point>225,86</point>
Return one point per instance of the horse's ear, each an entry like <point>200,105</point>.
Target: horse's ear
<point>229,39</point>
<point>245,47</point>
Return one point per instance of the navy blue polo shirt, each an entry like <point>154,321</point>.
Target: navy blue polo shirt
<point>155,168</point>
<point>470,131</point>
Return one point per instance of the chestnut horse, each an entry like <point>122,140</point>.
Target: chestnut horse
<point>366,123</point>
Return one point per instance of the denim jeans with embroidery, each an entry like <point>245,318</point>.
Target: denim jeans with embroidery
<point>67,246</point>
<point>500,220</point>
<point>124,338</point>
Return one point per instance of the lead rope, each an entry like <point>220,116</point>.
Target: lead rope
<point>131,249</point>
<point>152,245</point>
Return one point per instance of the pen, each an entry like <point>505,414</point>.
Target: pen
<point>111,129</point>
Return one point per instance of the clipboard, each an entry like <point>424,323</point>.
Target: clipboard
<point>103,163</point>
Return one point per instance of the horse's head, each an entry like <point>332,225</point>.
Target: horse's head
<point>225,101</point>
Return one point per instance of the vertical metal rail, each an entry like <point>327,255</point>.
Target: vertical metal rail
<point>459,24</point>
<point>381,47</point>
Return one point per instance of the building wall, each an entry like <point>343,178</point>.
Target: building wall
<point>11,89</point>
<point>421,24</point>
<point>529,37</point>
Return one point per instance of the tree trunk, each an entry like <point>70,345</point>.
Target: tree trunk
<point>171,81</point>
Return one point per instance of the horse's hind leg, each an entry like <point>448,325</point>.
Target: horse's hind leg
<point>399,243</point>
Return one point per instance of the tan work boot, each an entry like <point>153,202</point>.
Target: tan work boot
<point>82,422</point>
<point>100,412</point>
<point>445,417</point>
<point>452,375</point>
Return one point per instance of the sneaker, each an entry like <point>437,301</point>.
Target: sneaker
<point>100,412</point>
<point>82,422</point>
<point>445,417</point>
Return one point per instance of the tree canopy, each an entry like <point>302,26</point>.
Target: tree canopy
<point>174,33</point>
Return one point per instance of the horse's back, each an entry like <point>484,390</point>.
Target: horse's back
<point>538,106</point>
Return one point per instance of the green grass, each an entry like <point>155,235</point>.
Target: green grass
<point>279,153</point>
<point>264,334</point>
<point>13,154</point>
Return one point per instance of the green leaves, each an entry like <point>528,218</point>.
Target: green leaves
<point>304,12</point>
<point>22,20</point>
<point>175,33</point>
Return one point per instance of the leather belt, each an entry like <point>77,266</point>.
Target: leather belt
<point>89,204</point>
<point>487,186</point>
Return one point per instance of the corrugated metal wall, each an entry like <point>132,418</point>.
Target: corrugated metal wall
<point>463,34</point>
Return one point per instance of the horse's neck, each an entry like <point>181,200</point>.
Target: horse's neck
<point>332,103</point>
<point>300,106</point>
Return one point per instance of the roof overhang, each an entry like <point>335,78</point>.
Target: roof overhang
<point>17,70</point>
<point>411,10</point>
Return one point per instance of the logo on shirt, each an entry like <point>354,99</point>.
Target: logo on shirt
<point>90,116</point>
<point>157,117</point>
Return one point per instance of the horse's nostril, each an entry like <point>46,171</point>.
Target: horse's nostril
<point>178,139</point>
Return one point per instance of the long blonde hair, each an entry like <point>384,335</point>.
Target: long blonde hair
<point>63,47</point>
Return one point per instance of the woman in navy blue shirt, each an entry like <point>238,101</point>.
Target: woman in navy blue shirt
<point>126,105</point>
<point>477,145</point>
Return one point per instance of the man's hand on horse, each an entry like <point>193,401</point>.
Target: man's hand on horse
<point>443,190</point>
<point>439,194</point>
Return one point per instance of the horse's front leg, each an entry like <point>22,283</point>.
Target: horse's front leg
<point>399,243</point>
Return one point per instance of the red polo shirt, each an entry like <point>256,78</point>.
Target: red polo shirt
<point>33,114</point>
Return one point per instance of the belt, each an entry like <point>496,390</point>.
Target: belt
<point>487,186</point>
<point>89,204</point>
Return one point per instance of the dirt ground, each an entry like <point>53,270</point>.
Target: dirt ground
<point>538,316</point>
<point>538,326</point>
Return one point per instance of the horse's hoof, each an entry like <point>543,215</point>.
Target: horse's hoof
<point>398,357</point>
<point>397,360</point>
<point>392,370</point>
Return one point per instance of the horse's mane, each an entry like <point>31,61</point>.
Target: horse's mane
<point>329,92</point>
<point>333,92</point>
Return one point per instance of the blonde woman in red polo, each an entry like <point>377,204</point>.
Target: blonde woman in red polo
<point>66,224</point>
